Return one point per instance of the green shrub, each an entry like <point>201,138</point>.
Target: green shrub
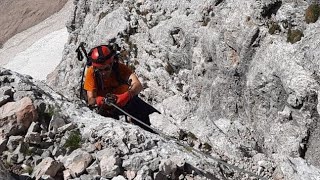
<point>28,170</point>
<point>47,111</point>
<point>189,149</point>
<point>51,111</point>
<point>29,152</point>
<point>294,36</point>
<point>192,136</point>
<point>312,13</point>
<point>73,142</point>
<point>273,27</point>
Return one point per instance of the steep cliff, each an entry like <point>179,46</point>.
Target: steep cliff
<point>241,76</point>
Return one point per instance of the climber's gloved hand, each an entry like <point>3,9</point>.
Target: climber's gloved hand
<point>100,101</point>
<point>122,99</point>
<point>110,98</point>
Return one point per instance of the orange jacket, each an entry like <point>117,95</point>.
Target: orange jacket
<point>111,84</point>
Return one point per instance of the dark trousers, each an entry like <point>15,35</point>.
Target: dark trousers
<point>138,109</point>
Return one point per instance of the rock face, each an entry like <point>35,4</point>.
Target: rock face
<point>65,140</point>
<point>17,116</point>
<point>245,73</point>
<point>22,112</point>
<point>238,80</point>
<point>47,166</point>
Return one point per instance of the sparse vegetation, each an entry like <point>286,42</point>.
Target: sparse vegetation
<point>192,136</point>
<point>189,148</point>
<point>47,112</point>
<point>29,152</point>
<point>7,163</point>
<point>73,142</point>
<point>28,170</point>
<point>274,27</point>
<point>51,111</point>
<point>312,13</point>
<point>294,36</point>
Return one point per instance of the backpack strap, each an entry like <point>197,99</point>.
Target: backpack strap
<point>115,69</point>
<point>98,79</point>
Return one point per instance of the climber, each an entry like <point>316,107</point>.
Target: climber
<point>107,77</point>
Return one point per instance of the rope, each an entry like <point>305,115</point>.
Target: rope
<point>185,146</point>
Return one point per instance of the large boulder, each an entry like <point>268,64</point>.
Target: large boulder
<point>47,166</point>
<point>16,117</point>
<point>77,162</point>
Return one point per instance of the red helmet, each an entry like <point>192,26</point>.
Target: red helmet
<point>101,55</point>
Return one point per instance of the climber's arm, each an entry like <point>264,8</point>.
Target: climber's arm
<point>91,97</point>
<point>135,86</point>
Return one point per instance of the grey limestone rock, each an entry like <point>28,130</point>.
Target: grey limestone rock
<point>214,69</point>
<point>225,81</point>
